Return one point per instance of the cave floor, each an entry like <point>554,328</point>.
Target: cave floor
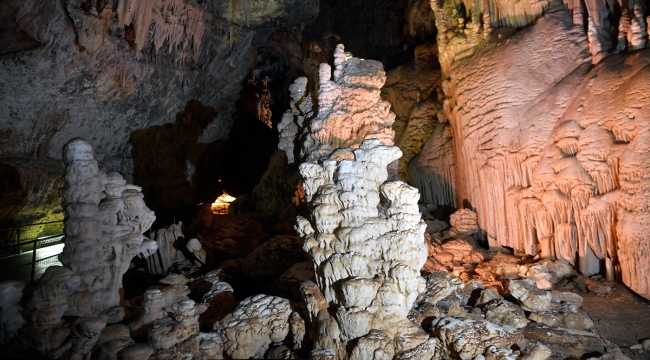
<point>620,317</point>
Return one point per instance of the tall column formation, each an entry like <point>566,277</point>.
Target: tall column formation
<point>366,240</point>
<point>105,220</point>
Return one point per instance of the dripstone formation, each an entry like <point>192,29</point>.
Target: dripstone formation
<point>366,256</point>
<point>105,220</point>
<point>365,235</point>
<point>348,110</point>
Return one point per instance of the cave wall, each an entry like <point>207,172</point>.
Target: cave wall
<point>547,132</point>
<point>105,73</point>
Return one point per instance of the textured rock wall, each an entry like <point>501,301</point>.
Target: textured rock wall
<point>548,147</point>
<point>108,70</point>
<point>412,91</point>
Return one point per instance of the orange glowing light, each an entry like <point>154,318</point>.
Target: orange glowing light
<point>220,206</point>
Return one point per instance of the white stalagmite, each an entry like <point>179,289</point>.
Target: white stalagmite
<point>105,219</point>
<point>367,256</point>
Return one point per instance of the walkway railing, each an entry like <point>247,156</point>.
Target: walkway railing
<point>22,258</point>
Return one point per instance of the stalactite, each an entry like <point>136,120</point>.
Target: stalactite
<point>623,29</point>
<point>637,36</point>
<point>177,23</point>
<point>433,170</point>
<point>598,222</point>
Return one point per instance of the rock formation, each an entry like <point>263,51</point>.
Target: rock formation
<point>10,294</point>
<point>551,163</point>
<point>412,91</point>
<point>103,70</point>
<point>105,220</point>
<point>364,279</point>
<point>167,254</point>
<point>257,322</point>
<point>46,331</point>
<point>349,110</point>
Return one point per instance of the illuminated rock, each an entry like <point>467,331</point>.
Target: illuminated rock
<point>550,166</point>
<point>411,89</point>
<point>529,295</point>
<point>502,312</point>
<point>220,206</point>
<point>104,216</point>
<point>349,110</point>
<point>257,322</point>
<point>352,240</point>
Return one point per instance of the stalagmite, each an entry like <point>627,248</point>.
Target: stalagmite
<point>349,241</point>
<point>104,216</point>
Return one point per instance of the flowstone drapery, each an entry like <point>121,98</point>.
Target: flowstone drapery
<point>366,240</point>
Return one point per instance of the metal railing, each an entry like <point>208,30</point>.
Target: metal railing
<point>19,255</point>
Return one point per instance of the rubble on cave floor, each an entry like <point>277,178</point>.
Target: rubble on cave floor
<point>574,316</point>
<point>477,304</point>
